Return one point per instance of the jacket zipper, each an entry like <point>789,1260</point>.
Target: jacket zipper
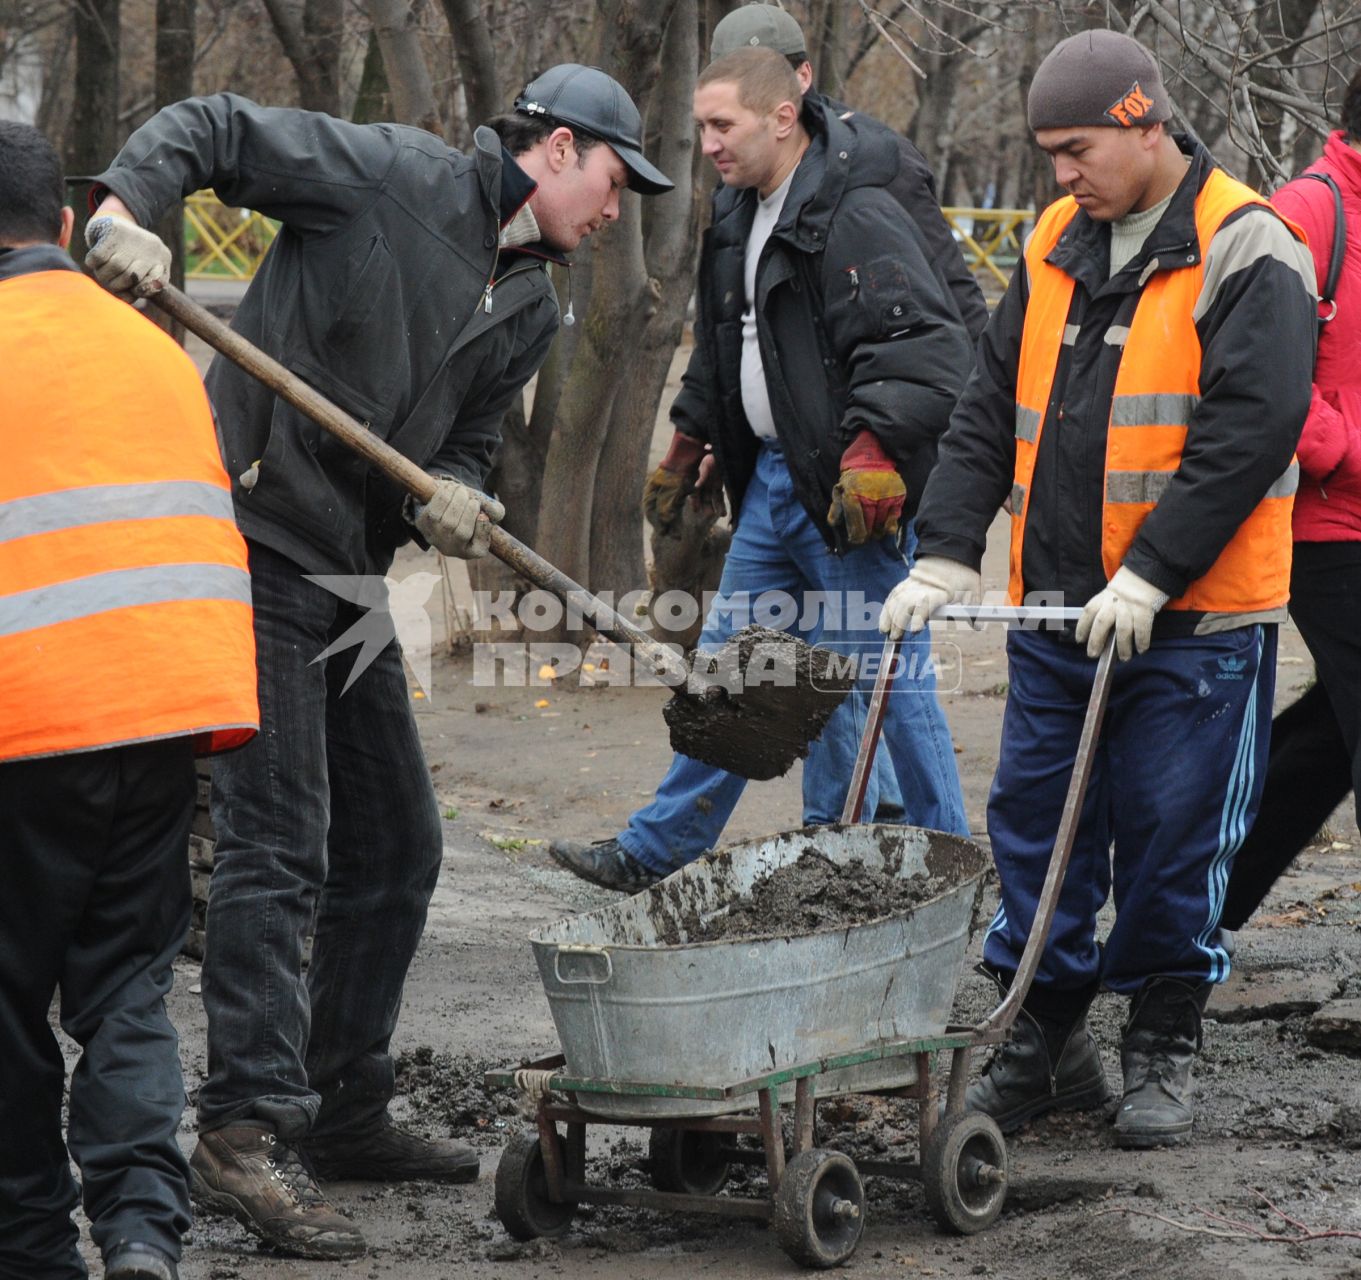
<point>491,279</point>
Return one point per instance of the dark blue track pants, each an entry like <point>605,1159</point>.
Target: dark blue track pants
<point>1174,788</point>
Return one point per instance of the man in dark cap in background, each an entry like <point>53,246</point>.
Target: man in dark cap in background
<point>407,284</point>
<point>1142,418</point>
<point>914,187</point>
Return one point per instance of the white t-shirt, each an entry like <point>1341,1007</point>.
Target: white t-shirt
<point>755,392</point>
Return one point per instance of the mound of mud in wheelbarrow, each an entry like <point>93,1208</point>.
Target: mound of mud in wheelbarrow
<point>816,893</point>
<point>799,947</point>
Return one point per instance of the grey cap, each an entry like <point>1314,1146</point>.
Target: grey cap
<point>766,25</point>
<point>596,104</point>
<point>1097,77</point>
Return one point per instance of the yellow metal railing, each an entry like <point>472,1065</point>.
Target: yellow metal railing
<point>989,238</point>
<point>222,243</point>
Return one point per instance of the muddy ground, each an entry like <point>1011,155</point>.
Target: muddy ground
<point>1277,1150</point>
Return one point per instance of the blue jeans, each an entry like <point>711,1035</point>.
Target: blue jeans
<point>1174,786</point>
<point>777,549</point>
<point>326,823</point>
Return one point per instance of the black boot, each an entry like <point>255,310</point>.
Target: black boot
<point>1161,1040</point>
<point>1051,1062</point>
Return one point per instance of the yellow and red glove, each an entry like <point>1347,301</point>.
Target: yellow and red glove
<point>868,499</point>
<point>687,469</point>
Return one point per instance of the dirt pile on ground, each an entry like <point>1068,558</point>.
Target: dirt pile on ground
<point>447,1095</point>
<point>816,893</point>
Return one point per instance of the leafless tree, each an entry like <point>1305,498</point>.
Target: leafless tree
<point>310,32</point>
<point>395,27</point>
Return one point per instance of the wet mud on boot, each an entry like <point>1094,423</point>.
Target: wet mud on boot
<point>1161,1040</point>
<point>244,1171</point>
<point>1051,1062</point>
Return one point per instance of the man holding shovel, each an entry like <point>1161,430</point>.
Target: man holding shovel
<point>406,285</point>
<point>828,357</point>
<point>1137,398</point>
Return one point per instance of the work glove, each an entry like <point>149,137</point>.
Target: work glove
<point>868,499</point>
<point>452,522</point>
<point>707,497</point>
<point>933,582</point>
<point>1127,605</point>
<point>669,485</point>
<point>126,259</point>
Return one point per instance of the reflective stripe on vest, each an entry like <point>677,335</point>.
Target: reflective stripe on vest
<point>1157,391</point>
<point>124,589</point>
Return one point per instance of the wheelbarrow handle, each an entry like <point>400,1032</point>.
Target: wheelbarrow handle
<point>1017,615</point>
<point>1004,1015</point>
<point>414,479</point>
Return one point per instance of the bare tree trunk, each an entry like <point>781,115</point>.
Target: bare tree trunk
<point>54,107</point>
<point>174,81</point>
<point>310,34</point>
<point>94,129</point>
<point>413,94</point>
<point>373,102</point>
<point>616,526</point>
<point>476,60</point>
<point>629,40</point>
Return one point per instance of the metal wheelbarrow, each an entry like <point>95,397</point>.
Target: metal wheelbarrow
<point>681,1038</point>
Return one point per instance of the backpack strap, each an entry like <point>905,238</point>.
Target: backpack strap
<point>1327,297</point>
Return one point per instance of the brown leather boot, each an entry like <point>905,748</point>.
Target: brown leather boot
<point>243,1171</point>
<point>381,1152</point>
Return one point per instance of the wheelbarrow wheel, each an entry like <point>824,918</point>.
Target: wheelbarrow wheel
<point>686,1161</point>
<point>964,1172</point>
<point>819,1209</point>
<point>521,1199</point>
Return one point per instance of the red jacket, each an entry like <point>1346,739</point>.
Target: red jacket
<point>1328,504</point>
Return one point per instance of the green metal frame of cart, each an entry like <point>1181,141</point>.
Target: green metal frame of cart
<point>816,1202</point>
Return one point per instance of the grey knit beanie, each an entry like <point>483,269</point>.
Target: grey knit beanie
<point>1097,77</point>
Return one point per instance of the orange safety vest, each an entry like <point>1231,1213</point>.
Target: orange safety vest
<point>1157,388</point>
<point>124,590</point>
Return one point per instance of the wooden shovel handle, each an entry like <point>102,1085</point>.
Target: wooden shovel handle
<point>417,482</point>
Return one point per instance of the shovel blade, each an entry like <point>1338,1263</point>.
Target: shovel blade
<point>758,703</point>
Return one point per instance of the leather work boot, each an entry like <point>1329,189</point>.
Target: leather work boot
<point>1051,1062</point>
<point>140,1262</point>
<point>605,863</point>
<point>384,1153</point>
<point>1161,1040</point>
<point>1045,1066</point>
<point>244,1172</point>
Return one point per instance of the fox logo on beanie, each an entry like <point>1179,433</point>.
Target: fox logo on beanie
<point>1097,77</point>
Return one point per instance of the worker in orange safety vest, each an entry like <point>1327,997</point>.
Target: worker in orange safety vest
<point>1137,401</point>
<point>126,647</point>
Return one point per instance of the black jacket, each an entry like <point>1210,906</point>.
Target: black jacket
<point>375,292</point>
<point>856,331</point>
<point>914,187</point>
<point>1256,323</point>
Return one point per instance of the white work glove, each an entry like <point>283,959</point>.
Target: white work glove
<point>933,582</point>
<point>451,521</point>
<point>126,259</point>
<point>1127,604</point>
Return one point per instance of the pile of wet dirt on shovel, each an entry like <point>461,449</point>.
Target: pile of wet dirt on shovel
<point>816,893</point>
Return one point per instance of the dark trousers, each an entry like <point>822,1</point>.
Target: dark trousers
<point>326,823</point>
<point>1174,784</point>
<point>95,903</point>
<point>1316,742</point>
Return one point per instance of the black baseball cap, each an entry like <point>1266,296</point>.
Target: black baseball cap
<point>596,104</point>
